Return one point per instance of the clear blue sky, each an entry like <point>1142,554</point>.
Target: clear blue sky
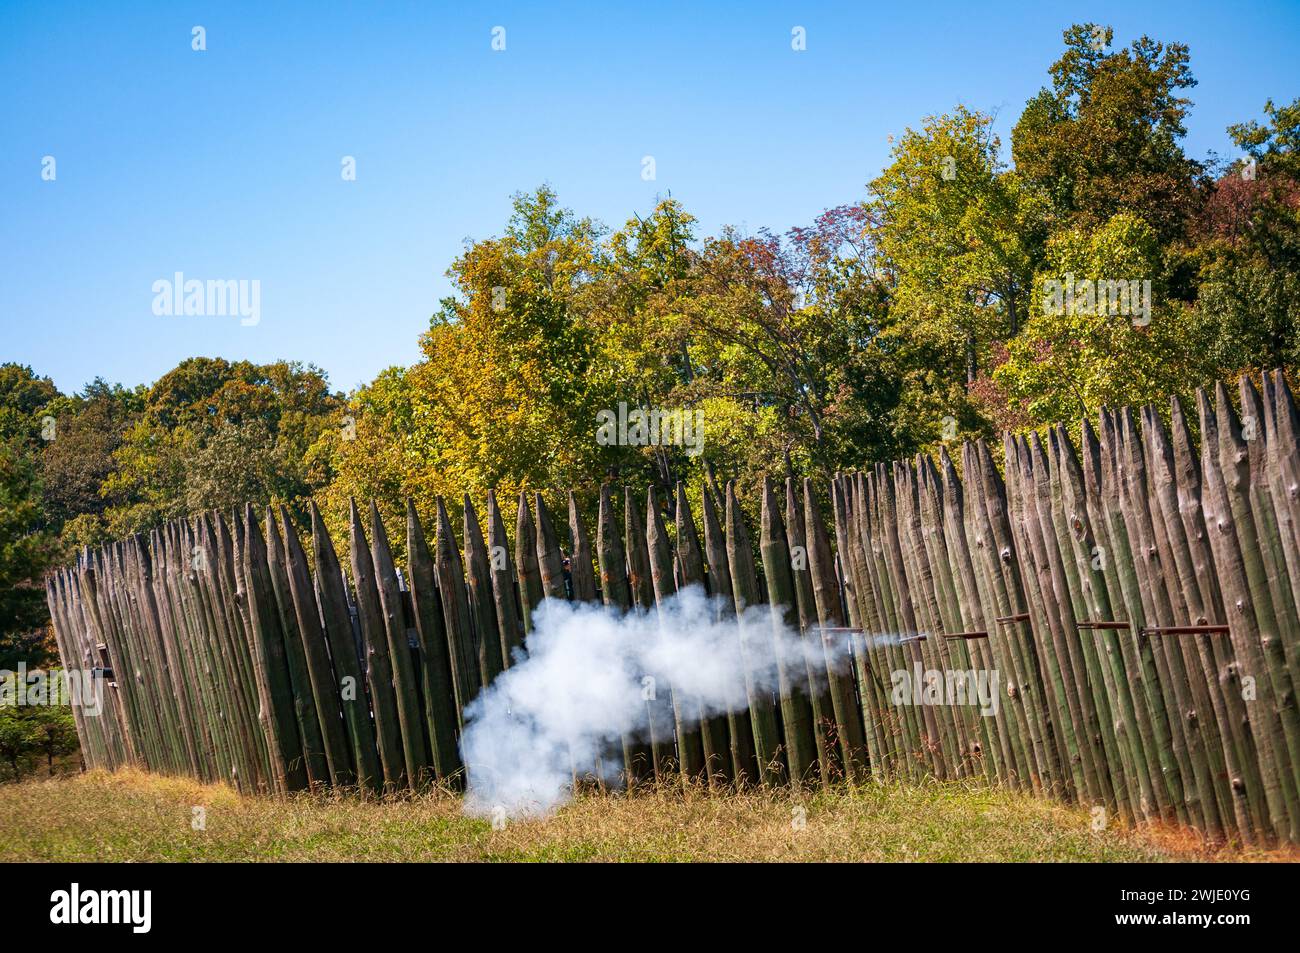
<point>225,164</point>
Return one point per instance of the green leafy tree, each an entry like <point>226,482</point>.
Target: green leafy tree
<point>22,396</point>
<point>958,239</point>
<point>1248,304</point>
<point>25,553</point>
<point>1111,344</point>
<point>510,382</point>
<point>88,429</point>
<point>29,733</point>
<point>1106,137</point>
<point>212,433</point>
<point>1275,143</point>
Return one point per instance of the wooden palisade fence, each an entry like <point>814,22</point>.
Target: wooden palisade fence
<point>1137,596</point>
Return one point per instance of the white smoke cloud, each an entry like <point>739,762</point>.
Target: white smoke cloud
<point>583,685</point>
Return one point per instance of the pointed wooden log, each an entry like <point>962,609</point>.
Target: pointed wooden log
<point>849,729</point>
<point>1283,423</point>
<point>1273,566</point>
<point>275,689</point>
<point>530,578</point>
<point>1251,611</point>
<point>740,731</point>
<point>768,742</point>
<point>663,754</point>
<point>97,749</point>
<point>825,733</point>
<point>550,561</point>
<point>410,713</point>
<point>87,630</point>
<point>1269,525</point>
<point>637,764</point>
<point>686,712</point>
<point>231,648</point>
<point>580,586</point>
<point>482,605</point>
<point>505,588</point>
<point>1183,596</point>
<point>610,556</point>
<point>1112,555</point>
<point>1145,664</point>
<point>690,563</point>
<point>171,682</point>
<point>932,567</point>
<point>304,704</point>
<point>123,630</point>
<point>379,664</point>
<point>1010,762</point>
<point>1205,598</point>
<point>138,707</point>
<point>1243,627</point>
<point>331,597</point>
<point>324,687</point>
<point>1075,531</point>
<point>1049,626</point>
<point>194,657</point>
<point>871,664</point>
<point>230,585</point>
<point>441,716</point>
<point>143,615</point>
<point>466,678</point>
<point>792,673</point>
<point>910,756</point>
<point>1163,601</point>
<point>580,557</point>
<point>638,559</point>
<point>1000,566</point>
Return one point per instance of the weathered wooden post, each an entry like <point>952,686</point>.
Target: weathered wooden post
<point>331,598</point>
<point>686,711</point>
<point>482,605</point>
<point>744,582</point>
<point>740,730</point>
<point>505,588</point>
<point>410,717</point>
<point>849,729</point>
<point>442,716</point>
<point>324,687</point>
<point>530,578</point>
<point>309,730</point>
<point>690,564</point>
<point>379,664</point>
<point>276,693</point>
<point>466,677</point>
<point>637,765</point>
<point>792,673</point>
<point>658,708</point>
<point>550,562</point>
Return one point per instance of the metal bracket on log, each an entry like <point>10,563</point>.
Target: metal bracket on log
<point>1102,624</point>
<point>966,635</point>
<point>1010,619</point>
<point>851,630</point>
<point>1182,630</point>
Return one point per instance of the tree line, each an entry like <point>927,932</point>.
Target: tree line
<point>911,316</point>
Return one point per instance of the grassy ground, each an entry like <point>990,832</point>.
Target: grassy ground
<point>134,816</point>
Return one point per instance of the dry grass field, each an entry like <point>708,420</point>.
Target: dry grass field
<point>132,816</point>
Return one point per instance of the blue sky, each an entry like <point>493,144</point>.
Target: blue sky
<point>225,164</point>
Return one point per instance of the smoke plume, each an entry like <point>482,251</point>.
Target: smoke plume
<point>592,677</point>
